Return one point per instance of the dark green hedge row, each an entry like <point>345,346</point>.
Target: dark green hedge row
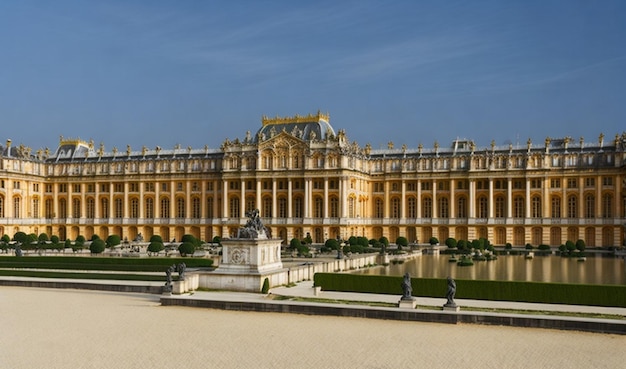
<point>69,275</point>
<point>100,263</point>
<point>538,292</point>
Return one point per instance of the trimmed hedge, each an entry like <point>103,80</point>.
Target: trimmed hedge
<point>537,292</point>
<point>154,264</point>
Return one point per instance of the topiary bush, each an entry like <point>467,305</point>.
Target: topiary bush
<point>266,286</point>
<point>384,240</point>
<point>186,249</point>
<point>433,241</point>
<point>97,246</point>
<point>294,244</point>
<point>402,241</point>
<point>113,240</point>
<point>156,238</point>
<point>529,246</point>
<point>155,247</point>
<point>451,242</point>
<point>332,244</point>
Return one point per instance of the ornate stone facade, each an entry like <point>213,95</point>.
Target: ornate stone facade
<point>305,178</point>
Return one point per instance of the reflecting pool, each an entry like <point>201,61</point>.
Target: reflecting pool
<point>595,270</point>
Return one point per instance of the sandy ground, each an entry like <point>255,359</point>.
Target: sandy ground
<point>48,328</point>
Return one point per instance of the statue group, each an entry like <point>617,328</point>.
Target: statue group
<point>254,228</point>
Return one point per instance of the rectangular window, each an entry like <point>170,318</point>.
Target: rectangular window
<point>572,183</point>
<point>555,183</point>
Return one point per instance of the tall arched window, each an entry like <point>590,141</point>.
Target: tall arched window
<point>572,207</point>
<point>267,207</point>
<point>395,207</point>
<point>209,207</point>
<point>234,207</point>
<point>427,207</point>
<point>555,211</point>
<point>1,207</point>
<point>119,208</point>
<point>499,207</point>
<point>297,207</point>
<point>590,206</point>
<point>535,203</point>
<point>518,207</point>
<point>76,208</point>
<point>334,207</point>
<point>483,210</point>
<point>149,208</point>
<point>91,208</point>
<point>17,207</point>
<point>104,207</point>
<point>412,207</point>
<point>180,208</point>
<point>282,207</point>
<point>319,207</point>
<point>443,207</point>
<point>351,207</point>
<point>165,208</point>
<point>62,208</point>
<point>378,208</point>
<point>461,207</point>
<point>195,207</point>
<point>607,206</point>
<point>134,208</point>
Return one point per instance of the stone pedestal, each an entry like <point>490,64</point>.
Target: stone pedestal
<point>454,308</point>
<point>243,255</point>
<point>407,303</point>
<point>317,291</point>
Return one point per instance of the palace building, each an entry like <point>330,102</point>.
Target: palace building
<point>306,178</point>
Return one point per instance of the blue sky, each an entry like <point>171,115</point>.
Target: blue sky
<point>196,72</point>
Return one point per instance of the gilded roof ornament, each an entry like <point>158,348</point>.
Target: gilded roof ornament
<point>265,120</point>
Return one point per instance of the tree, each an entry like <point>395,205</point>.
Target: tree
<point>384,240</point>
<point>156,238</point>
<point>217,240</point>
<point>580,245</point>
<point>402,241</point>
<point>113,240</point>
<point>191,239</point>
<point>332,244</point>
<point>433,241</point>
<point>54,239</point>
<point>43,238</point>
<point>570,246</point>
<point>451,242</point>
<point>266,286</point>
<point>80,239</point>
<point>155,247</point>
<point>186,249</point>
<point>97,246</point>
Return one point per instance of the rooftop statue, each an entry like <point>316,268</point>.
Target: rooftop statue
<point>254,228</point>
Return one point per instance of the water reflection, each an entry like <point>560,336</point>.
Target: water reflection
<point>596,270</point>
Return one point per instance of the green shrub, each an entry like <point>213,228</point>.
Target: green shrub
<point>332,244</point>
<point>537,292</point>
<point>80,239</point>
<point>363,241</point>
<point>186,249</point>
<point>543,247</point>
<point>266,286</point>
<point>43,238</point>
<point>384,241</point>
<point>570,246</point>
<point>580,245</point>
<point>191,239</point>
<point>156,238</point>
<point>217,239</point>
<point>402,241</point>
<point>113,240</point>
<point>54,239</point>
<point>529,246</point>
<point>5,238</point>
<point>94,237</point>
<point>352,240</point>
<point>433,241</point>
<point>451,242</point>
<point>294,244</point>
<point>155,247</point>
<point>97,247</point>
